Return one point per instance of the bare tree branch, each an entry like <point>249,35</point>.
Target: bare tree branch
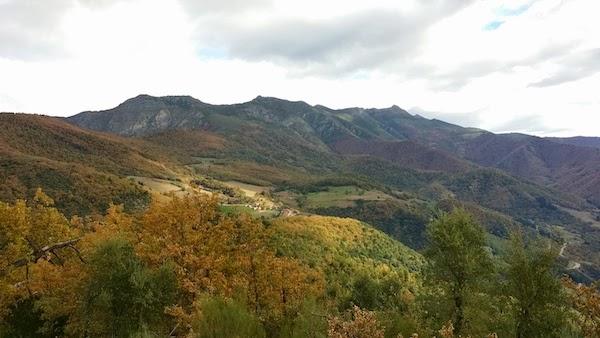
<point>37,254</point>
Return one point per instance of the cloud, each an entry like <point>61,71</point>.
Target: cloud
<point>465,119</point>
<point>340,45</point>
<point>455,79</point>
<point>572,68</point>
<point>100,4</point>
<point>63,56</point>
<point>528,124</point>
<point>350,43</point>
<point>201,8</point>
<point>29,29</point>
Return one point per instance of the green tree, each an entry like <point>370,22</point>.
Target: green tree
<point>537,297</point>
<point>458,261</point>
<point>218,317</point>
<point>370,293</point>
<point>121,296</point>
<point>309,322</point>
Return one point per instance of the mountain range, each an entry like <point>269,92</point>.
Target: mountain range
<point>571,165</point>
<point>385,167</point>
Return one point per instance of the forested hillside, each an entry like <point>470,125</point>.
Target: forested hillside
<point>279,219</point>
<point>415,164</point>
<point>185,268</point>
<point>83,170</point>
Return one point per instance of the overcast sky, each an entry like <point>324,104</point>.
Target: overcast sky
<point>523,65</point>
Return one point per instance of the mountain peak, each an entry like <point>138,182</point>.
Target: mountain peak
<point>146,97</point>
<point>280,105</point>
<point>272,99</point>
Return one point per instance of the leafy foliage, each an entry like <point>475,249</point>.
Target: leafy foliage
<point>120,295</point>
<point>586,303</point>
<point>458,262</point>
<point>183,268</point>
<point>536,296</point>
<point>363,325</point>
<point>219,317</point>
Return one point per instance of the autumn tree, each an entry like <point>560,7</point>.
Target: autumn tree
<point>458,262</point>
<point>31,234</point>
<point>362,324</point>
<point>585,300</point>
<point>221,255</point>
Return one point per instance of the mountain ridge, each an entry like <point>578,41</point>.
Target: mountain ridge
<point>383,166</point>
<point>522,155</point>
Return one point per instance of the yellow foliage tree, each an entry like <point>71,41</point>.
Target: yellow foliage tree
<point>31,236</point>
<point>585,299</point>
<point>362,325</point>
<point>220,255</point>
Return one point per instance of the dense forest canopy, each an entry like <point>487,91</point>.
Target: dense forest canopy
<point>183,267</point>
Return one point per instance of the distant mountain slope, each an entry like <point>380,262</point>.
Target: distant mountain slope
<point>407,154</point>
<point>145,115</point>
<point>81,169</point>
<point>316,139</point>
<point>573,169</point>
<point>270,130</point>
<point>418,163</point>
<point>581,141</point>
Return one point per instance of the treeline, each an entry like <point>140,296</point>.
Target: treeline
<point>182,268</point>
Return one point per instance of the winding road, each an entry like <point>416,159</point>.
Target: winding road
<point>572,264</point>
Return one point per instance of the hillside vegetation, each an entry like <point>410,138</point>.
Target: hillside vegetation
<point>125,273</point>
<point>283,219</point>
<point>183,268</point>
<point>83,170</point>
<point>417,164</point>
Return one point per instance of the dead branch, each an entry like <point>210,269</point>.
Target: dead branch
<point>37,254</point>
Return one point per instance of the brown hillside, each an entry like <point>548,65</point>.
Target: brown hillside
<point>406,154</point>
<point>83,170</point>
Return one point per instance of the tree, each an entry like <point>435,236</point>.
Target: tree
<point>218,317</point>
<point>31,233</point>
<point>537,295</point>
<point>228,256</point>
<point>121,296</point>
<point>363,324</point>
<point>309,322</point>
<point>458,261</point>
<point>387,292</point>
<point>585,299</point>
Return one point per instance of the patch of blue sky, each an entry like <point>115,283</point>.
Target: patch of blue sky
<point>208,53</point>
<point>506,11</point>
<point>491,26</point>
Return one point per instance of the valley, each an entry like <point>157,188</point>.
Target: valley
<point>340,198</point>
<point>383,166</point>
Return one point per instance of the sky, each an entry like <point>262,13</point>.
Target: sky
<point>506,66</point>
